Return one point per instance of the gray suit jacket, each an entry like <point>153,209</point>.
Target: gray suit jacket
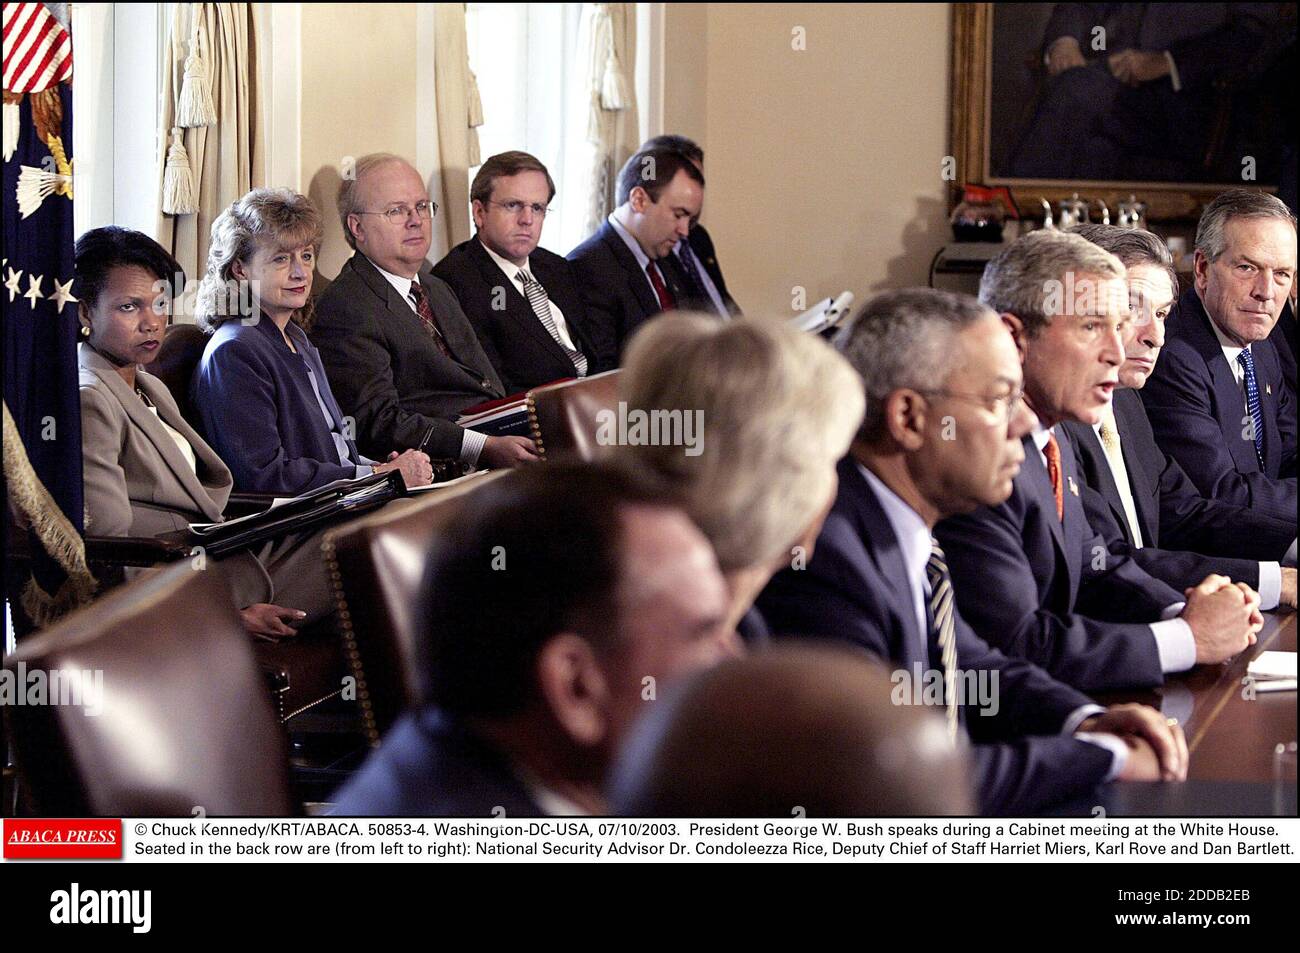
<point>137,481</point>
<point>386,369</point>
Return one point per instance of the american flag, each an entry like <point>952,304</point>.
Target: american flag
<point>38,49</point>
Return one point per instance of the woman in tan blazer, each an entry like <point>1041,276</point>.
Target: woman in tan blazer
<point>146,471</point>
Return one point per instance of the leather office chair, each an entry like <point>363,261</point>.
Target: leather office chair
<point>376,565</point>
<point>184,720</point>
<point>563,416</point>
<point>178,358</point>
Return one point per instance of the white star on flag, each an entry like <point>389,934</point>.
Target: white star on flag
<point>34,289</point>
<point>62,295</point>
<point>12,283</point>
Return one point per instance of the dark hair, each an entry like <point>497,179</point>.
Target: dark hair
<point>503,165</point>
<point>652,170</point>
<point>1132,246</point>
<point>687,147</point>
<point>535,553</point>
<point>100,250</point>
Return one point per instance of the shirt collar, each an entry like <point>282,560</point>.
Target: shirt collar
<point>551,802</point>
<point>400,284</point>
<point>1041,434</point>
<point>642,258</point>
<point>510,269</point>
<point>1230,350</point>
<point>913,535</point>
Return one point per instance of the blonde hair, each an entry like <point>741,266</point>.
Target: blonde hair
<point>779,409</point>
<point>280,217</point>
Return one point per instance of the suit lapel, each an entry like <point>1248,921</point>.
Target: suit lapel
<point>883,548</point>
<point>148,424</point>
<point>1145,496</point>
<point>638,280</point>
<point>1034,474</point>
<point>517,306</point>
<point>1074,525</point>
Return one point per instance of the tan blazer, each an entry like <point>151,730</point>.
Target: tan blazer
<point>137,482</point>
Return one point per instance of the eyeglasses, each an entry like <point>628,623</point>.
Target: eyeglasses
<point>515,207</point>
<point>402,213</point>
<point>1005,404</point>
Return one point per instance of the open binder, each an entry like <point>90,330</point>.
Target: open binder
<point>332,503</point>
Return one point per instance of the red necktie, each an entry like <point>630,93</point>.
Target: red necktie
<point>666,302</point>
<point>1053,453</point>
<point>425,312</point>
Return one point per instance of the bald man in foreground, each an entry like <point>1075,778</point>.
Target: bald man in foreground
<point>811,727</point>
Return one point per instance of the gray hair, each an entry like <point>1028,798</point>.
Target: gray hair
<point>904,339</point>
<point>1235,203</point>
<point>1027,274</point>
<point>779,408</point>
<point>349,200</point>
<point>263,217</point>
<point>1132,246</point>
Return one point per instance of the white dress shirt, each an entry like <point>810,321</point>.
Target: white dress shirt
<point>511,271</point>
<point>1175,644</point>
<point>914,539</point>
<point>471,443</point>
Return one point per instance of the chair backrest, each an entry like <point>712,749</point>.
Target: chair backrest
<point>376,565</point>
<point>564,419</point>
<point>154,706</point>
<point>178,358</point>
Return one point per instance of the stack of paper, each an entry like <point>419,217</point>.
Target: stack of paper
<point>1273,672</point>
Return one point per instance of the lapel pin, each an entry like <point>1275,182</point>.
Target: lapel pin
<point>1074,487</point>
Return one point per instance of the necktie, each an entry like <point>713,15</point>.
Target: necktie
<point>1247,363</point>
<point>1109,433</point>
<point>945,629</point>
<point>541,304</point>
<point>425,312</point>
<point>1053,453</point>
<point>666,302</point>
<point>686,255</point>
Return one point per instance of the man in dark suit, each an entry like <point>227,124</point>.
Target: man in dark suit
<point>696,257</point>
<point>1032,576</point>
<point>1137,497</point>
<point>556,604</point>
<point>626,270</point>
<point>399,352</point>
<point>941,436</point>
<point>1217,399</point>
<point>522,300</point>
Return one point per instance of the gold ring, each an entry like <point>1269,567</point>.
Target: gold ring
<point>1171,722</point>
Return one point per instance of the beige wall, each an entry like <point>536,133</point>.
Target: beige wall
<point>349,105</point>
<point>823,165</point>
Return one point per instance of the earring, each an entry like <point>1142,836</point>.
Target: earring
<point>85,331</point>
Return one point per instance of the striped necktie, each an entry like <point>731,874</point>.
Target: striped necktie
<point>541,304</point>
<point>425,311</point>
<point>686,255</point>
<point>1247,363</point>
<point>945,629</point>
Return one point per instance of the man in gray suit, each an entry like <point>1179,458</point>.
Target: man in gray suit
<point>400,354</point>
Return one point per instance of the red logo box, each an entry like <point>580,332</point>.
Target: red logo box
<point>63,839</point>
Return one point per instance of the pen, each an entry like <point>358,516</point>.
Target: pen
<point>427,434</point>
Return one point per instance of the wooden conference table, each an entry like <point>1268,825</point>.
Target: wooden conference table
<point>1231,736</point>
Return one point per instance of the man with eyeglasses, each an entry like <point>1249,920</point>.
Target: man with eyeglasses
<point>942,435</point>
<point>400,353</point>
<point>1031,575</point>
<point>626,269</point>
<point>522,301</point>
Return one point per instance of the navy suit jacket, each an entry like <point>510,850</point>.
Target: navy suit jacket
<point>1199,416</point>
<point>1202,536</point>
<point>616,291</point>
<point>855,588</point>
<point>702,245</point>
<point>521,350</point>
<point>1283,337</point>
<point>1050,591</point>
<point>431,766</point>
<point>259,411</point>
